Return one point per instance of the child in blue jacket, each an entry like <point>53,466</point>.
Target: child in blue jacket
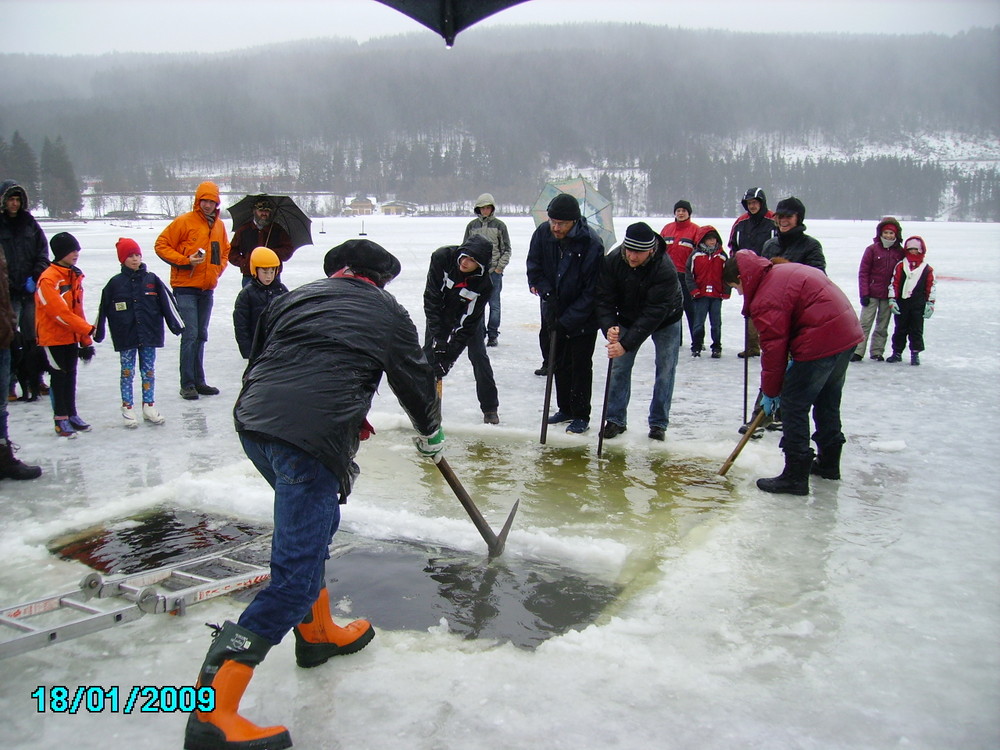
<point>265,272</point>
<point>135,304</point>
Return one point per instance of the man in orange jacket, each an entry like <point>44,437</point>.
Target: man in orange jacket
<point>197,248</point>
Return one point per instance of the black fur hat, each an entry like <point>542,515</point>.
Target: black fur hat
<point>791,205</point>
<point>365,258</point>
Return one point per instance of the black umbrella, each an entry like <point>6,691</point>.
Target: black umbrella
<point>448,17</point>
<point>285,214</point>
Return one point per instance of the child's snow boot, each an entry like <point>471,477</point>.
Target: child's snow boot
<point>914,358</point>
<point>78,424</point>
<point>64,428</point>
<point>895,357</point>
<point>151,415</point>
<point>318,637</point>
<point>793,480</point>
<point>128,414</point>
<point>827,463</point>
<point>228,668</point>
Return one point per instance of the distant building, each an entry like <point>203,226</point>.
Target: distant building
<point>360,207</point>
<point>400,208</point>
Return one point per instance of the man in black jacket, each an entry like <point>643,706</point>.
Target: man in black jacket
<point>455,296</point>
<point>318,355</point>
<point>639,297</point>
<point>564,260</point>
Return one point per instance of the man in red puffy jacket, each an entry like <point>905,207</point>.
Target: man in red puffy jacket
<point>808,330</point>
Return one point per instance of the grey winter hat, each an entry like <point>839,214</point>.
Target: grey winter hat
<point>640,238</point>
<point>564,207</point>
<point>486,199</point>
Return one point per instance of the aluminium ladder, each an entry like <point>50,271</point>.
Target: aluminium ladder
<point>169,589</point>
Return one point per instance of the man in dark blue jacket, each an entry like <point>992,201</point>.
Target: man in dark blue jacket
<point>564,261</point>
<point>639,297</point>
<point>455,296</point>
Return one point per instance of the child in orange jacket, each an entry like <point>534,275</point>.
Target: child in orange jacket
<point>63,330</point>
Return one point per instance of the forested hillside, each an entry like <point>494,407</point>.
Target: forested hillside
<point>659,113</point>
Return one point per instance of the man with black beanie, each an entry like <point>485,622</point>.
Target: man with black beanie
<point>564,260</point>
<point>680,238</point>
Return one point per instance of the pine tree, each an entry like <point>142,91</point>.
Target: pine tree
<point>60,189</point>
<point>22,167</point>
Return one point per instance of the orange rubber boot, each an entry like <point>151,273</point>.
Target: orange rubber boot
<point>319,637</point>
<point>229,673</point>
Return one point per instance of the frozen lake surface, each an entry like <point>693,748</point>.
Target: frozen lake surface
<point>866,615</point>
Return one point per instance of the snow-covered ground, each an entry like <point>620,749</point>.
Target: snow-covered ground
<point>866,615</point>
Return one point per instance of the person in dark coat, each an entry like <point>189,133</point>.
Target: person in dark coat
<point>874,278</point>
<point>134,305</point>
<point>26,252</point>
<point>318,356</point>
<point>10,467</point>
<point>260,230</point>
<point>638,298</point>
<point>265,285</point>
<point>751,231</point>
<point>792,243</point>
<point>808,330</point>
<point>564,261</point>
<point>455,296</point>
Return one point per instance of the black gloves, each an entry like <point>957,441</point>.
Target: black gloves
<point>441,367</point>
<point>865,301</point>
<point>86,353</point>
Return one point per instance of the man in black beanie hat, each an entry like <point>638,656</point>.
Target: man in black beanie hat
<point>639,298</point>
<point>564,260</point>
<point>792,243</point>
<point>319,354</point>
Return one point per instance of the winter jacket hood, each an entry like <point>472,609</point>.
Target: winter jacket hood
<point>799,312</point>
<point>756,194</point>
<point>702,234</point>
<point>190,233</point>
<point>9,188</point>
<point>479,249</point>
<point>889,221</point>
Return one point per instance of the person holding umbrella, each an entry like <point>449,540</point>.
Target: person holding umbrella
<point>564,261</point>
<point>259,230</point>
<point>638,298</point>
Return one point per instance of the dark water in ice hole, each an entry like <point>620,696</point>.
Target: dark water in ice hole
<point>643,500</point>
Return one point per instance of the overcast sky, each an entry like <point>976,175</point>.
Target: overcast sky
<point>98,26</point>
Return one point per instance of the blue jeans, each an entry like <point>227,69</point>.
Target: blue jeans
<point>818,385</point>
<point>306,516</point>
<point>493,325</point>
<point>711,308</point>
<point>667,343</point>
<point>195,308</point>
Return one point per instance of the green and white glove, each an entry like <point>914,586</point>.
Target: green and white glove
<point>431,446</point>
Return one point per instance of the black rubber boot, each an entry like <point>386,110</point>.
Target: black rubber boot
<point>827,463</point>
<point>228,667</point>
<point>793,480</point>
<point>11,468</point>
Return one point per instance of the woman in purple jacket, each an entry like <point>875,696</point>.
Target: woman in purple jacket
<point>808,330</point>
<point>874,279</point>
